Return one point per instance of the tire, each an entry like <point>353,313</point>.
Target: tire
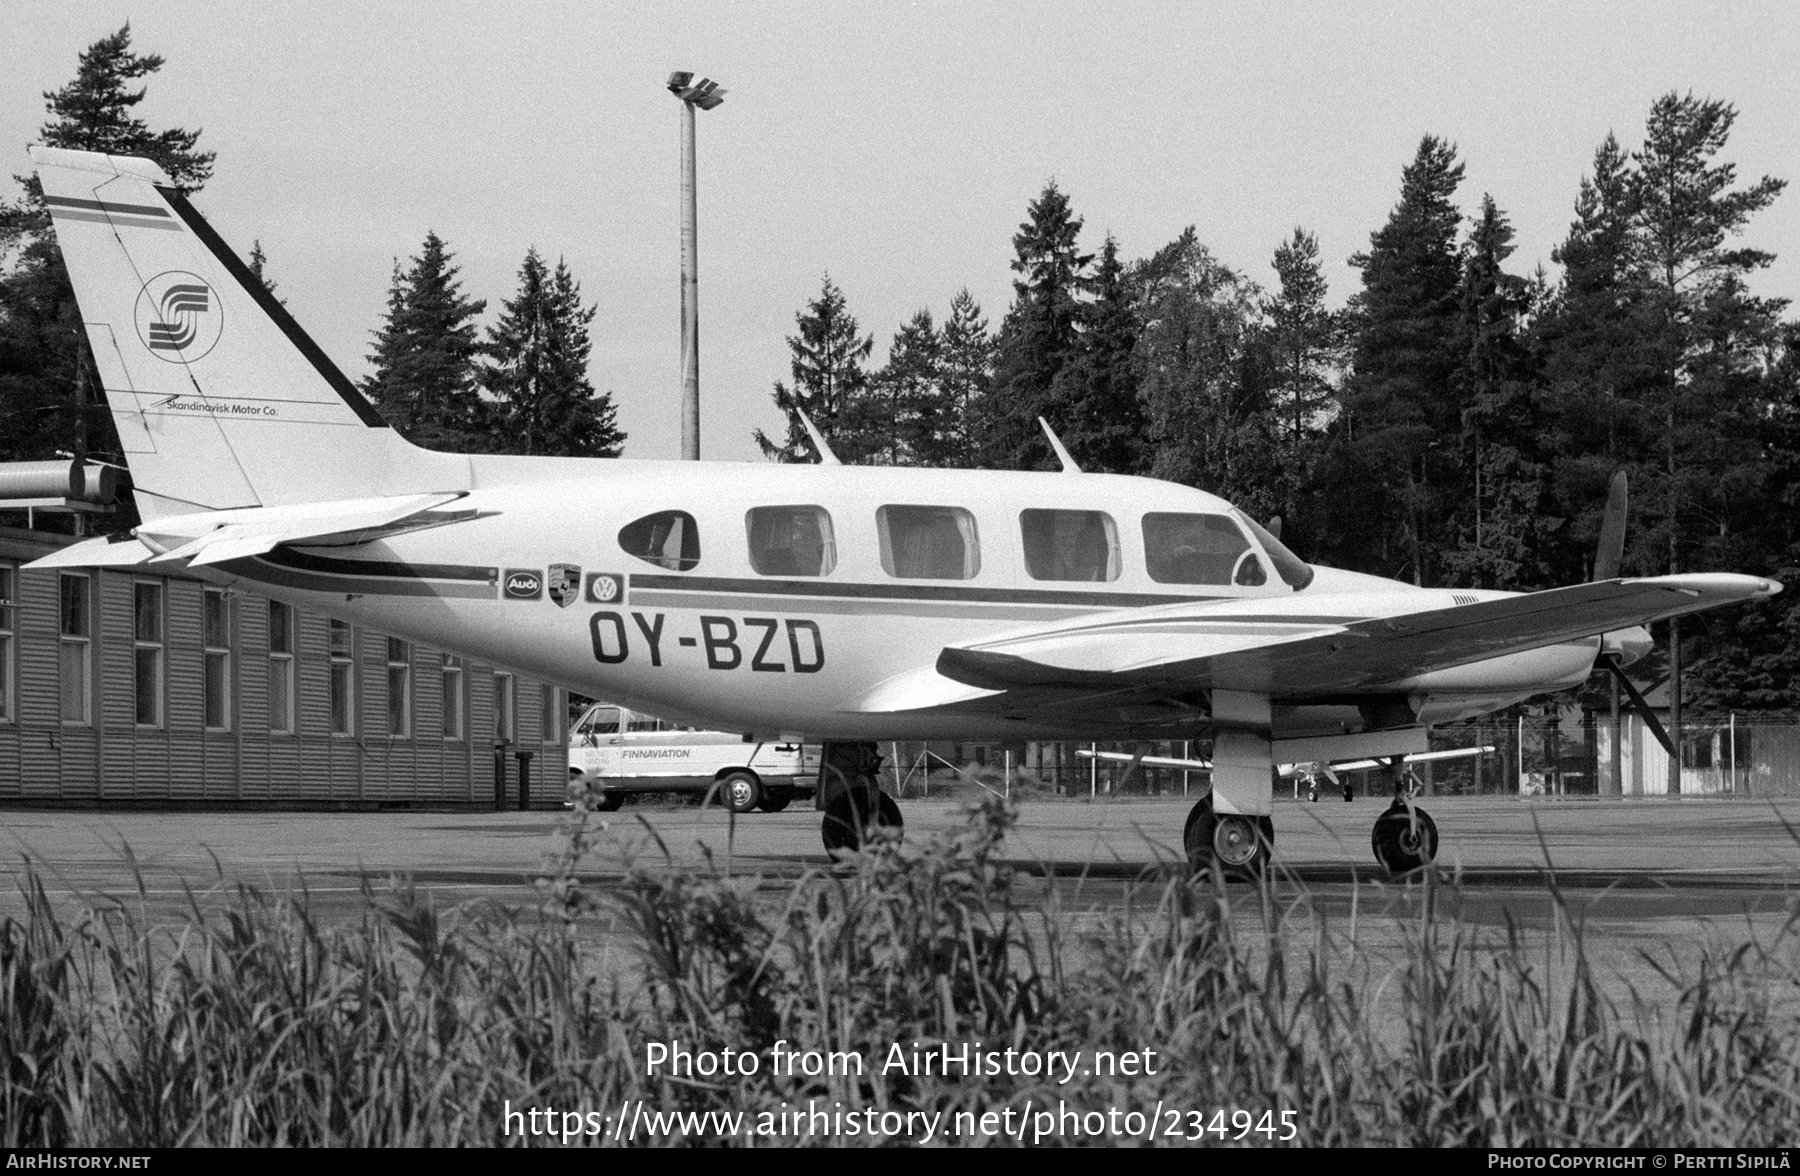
<point>606,801</point>
<point>740,791</point>
<point>1404,840</point>
<point>776,799</point>
<point>844,823</point>
<point>1240,847</point>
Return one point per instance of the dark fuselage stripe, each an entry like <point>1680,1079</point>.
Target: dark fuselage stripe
<point>123,221</point>
<point>938,592</point>
<point>265,572</point>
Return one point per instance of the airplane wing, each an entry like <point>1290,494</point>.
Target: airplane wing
<point>1294,655</point>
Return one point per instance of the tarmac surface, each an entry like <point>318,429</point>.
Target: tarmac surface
<point>1642,869</point>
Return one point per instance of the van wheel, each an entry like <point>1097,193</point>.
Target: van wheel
<point>607,802</point>
<point>741,791</point>
<point>776,799</point>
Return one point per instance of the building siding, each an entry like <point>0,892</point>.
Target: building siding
<point>113,760</point>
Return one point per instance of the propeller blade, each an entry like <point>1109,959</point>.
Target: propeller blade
<point>1639,705</point>
<point>1273,526</point>
<point>1611,551</point>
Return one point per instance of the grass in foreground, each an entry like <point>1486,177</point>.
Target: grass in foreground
<point>252,1024</point>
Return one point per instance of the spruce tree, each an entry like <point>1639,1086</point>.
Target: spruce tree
<point>425,355</point>
<point>967,362</point>
<point>537,374</point>
<point>1095,395</point>
<point>50,396</point>
<point>902,415</point>
<point>829,379</point>
<point>1398,397</point>
<point>1304,338</point>
<point>1040,333</point>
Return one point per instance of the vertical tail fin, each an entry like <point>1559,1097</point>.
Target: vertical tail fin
<point>220,399</point>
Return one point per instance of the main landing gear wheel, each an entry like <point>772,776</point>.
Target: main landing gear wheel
<point>740,791</point>
<point>1239,846</point>
<point>847,824</point>
<point>1405,838</point>
<point>776,799</point>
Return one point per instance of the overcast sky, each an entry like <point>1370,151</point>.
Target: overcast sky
<point>894,145</point>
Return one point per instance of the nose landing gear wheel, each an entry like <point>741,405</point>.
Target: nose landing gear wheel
<point>1239,846</point>
<point>1405,838</point>
<point>846,825</point>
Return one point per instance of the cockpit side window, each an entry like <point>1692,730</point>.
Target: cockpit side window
<point>1070,544</point>
<point>791,541</point>
<point>1198,549</point>
<point>928,542</point>
<point>668,539</point>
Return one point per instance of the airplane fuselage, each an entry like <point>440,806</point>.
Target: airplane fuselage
<point>534,568</point>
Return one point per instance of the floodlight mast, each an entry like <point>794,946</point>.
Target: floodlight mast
<point>704,94</point>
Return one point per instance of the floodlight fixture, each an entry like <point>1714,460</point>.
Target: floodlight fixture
<point>704,94</point>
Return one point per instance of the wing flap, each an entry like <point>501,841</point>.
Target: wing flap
<point>1301,657</point>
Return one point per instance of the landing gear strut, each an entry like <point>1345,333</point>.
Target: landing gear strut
<point>1238,846</point>
<point>1405,837</point>
<point>851,798</point>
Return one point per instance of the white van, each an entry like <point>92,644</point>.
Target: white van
<point>619,751</point>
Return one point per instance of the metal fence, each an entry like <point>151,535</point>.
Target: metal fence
<point>1572,754</point>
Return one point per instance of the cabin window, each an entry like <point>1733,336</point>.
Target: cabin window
<point>791,541</point>
<point>1070,544</point>
<point>928,542</point>
<point>667,539</point>
<point>642,722</point>
<point>1199,549</point>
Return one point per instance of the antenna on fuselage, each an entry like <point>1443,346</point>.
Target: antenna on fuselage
<point>826,457</point>
<point>1062,452</point>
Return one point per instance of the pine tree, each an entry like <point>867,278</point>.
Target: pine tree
<point>425,355</point>
<point>967,362</point>
<point>1398,398</point>
<point>828,380</point>
<point>1710,340</point>
<point>1095,395</point>
<point>1040,333</point>
<point>539,349</point>
<point>259,266</point>
<point>1592,336</point>
<point>49,393</point>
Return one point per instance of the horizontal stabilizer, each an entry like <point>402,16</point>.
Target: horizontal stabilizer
<point>213,537</point>
<point>97,553</point>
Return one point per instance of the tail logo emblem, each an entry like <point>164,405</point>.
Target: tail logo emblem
<point>179,318</point>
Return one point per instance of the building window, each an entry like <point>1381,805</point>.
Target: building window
<point>281,668</point>
<point>8,626</point>
<point>147,651</point>
<point>339,648</point>
<point>215,653</point>
<point>452,671</point>
<point>550,729</point>
<point>399,687</point>
<point>75,646</point>
<point>505,726</point>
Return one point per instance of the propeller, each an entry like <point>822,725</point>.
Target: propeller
<point>1607,558</point>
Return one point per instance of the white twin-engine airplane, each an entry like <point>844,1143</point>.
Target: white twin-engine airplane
<point>829,603</point>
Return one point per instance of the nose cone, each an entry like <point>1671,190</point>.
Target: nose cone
<point>1628,645</point>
